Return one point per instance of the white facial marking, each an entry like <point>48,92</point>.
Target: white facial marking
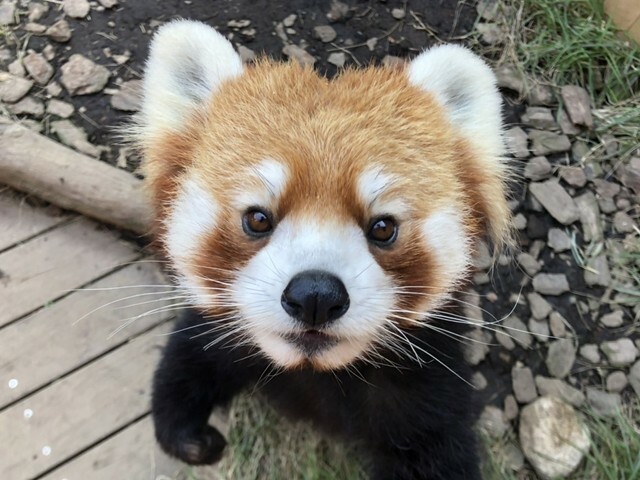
<point>444,233</point>
<point>272,177</point>
<point>340,249</point>
<point>192,216</point>
<point>373,183</point>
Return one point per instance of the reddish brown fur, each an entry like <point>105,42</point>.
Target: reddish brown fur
<point>327,133</point>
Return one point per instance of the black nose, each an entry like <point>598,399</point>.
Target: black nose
<point>315,298</point>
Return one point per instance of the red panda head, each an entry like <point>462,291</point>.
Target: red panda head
<point>318,218</point>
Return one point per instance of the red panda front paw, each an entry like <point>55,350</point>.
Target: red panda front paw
<point>197,448</point>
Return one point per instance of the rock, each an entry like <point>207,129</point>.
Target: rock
<point>589,213</point>
<point>477,349</point>
<point>108,3</point>
<point>16,68</point>
<point>492,33</point>
<point>597,272</point>
<point>557,325</point>
<point>13,88</point>
<point>578,105</point>
<point>479,380</point>
<point>517,330</point>
<point>246,54</point>
<point>492,422</point>
<point>574,176</point>
<point>54,89</point>
<point>603,403</point>
<point>129,97</point>
<point>524,388</point>
<point>511,408</point>
<point>590,353</point>
<point>529,264</point>
<point>325,33</point>
<point>487,9</point>
<point>238,24</point>
<point>290,20</point>
<point>516,142</point>
<point>552,437</point>
<point>559,389</point>
<point>607,205</point>
<point>513,457</point>
<point>7,12</point>
<point>555,200</point>
<point>550,283</point>
<point>49,52</point>
<point>81,76</point>
<point>511,78</point>
<point>634,377</point>
<point>566,125</point>
<point>538,168</point>
<point>630,176</point>
<point>35,28</point>
<point>539,329</point>
<point>613,319</point>
<point>38,67</point>
<point>540,118</point>
<point>616,381</point>
<point>339,11</point>
<point>519,222</point>
<point>59,108</point>
<point>76,8</point>
<point>398,13</point>
<point>540,308</point>
<point>558,240</point>
<point>337,58</point>
<point>623,223</point>
<point>541,95</point>
<point>544,142</point>
<point>36,11</point>
<point>620,353</point>
<point>59,31</point>
<point>560,357</point>
<point>74,137</point>
<point>27,106</point>
<point>606,189</point>
<point>299,54</point>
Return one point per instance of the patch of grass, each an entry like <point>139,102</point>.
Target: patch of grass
<point>264,446</point>
<point>572,42</point>
<point>614,453</point>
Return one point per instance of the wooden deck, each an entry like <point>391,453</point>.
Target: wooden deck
<point>74,386</point>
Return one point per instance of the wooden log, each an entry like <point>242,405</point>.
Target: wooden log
<point>33,163</point>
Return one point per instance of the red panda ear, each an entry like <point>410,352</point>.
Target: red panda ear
<point>466,87</point>
<point>187,63</point>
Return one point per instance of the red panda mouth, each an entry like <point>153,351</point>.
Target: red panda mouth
<point>312,341</point>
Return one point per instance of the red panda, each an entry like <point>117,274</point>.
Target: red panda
<point>321,229</point>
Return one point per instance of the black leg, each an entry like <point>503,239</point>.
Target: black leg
<point>189,382</point>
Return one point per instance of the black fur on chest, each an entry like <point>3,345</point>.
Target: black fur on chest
<point>412,415</point>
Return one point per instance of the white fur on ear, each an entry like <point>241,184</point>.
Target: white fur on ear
<point>187,62</point>
<point>466,87</point>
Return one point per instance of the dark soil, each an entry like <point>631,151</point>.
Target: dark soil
<point>131,25</point>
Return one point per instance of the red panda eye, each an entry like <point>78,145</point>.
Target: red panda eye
<point>257,223</point>
<point>383,231</point>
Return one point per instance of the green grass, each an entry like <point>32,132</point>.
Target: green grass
<point>571,42</point>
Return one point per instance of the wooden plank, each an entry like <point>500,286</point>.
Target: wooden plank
<point>130,454</point>
<point>57,339</point>
<point>19,220</point>
<point>33,163</point>
<point>44,268</point>
<point>58,422</point>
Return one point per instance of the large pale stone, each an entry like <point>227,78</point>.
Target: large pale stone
<point>552,437</point>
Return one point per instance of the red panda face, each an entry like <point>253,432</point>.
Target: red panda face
<point>320,219</point>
